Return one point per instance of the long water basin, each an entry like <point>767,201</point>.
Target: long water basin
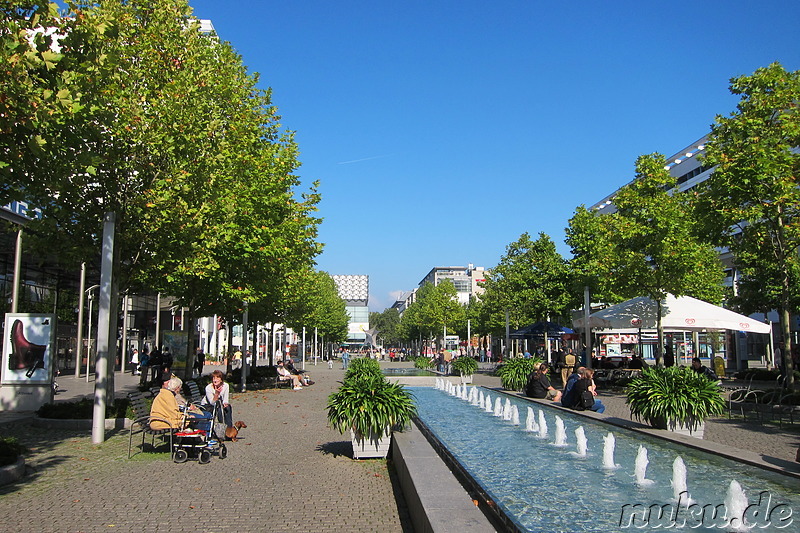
<point>544,487</point>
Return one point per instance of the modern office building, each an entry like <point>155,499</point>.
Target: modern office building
<point>354,290</point>
<point>465,279</point>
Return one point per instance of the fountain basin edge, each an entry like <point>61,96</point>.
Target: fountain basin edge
<point>723,450</point>
<point>437,500</point>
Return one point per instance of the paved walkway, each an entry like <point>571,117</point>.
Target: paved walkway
<point>288,472</point>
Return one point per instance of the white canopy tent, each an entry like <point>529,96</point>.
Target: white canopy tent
<point>678,313</point>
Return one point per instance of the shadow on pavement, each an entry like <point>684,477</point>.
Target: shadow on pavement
<point>342,448</point>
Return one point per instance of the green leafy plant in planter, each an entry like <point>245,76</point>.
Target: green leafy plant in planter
<point>674,397</point>
<point>362,366</point>
<point>514,372</point>
<point>466,366</point>
<point>10,450</point>
<point>370,407</point>
<point>423,363</point>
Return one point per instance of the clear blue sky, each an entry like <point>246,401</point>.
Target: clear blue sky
<point>442,130</point>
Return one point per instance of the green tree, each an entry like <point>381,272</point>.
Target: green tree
<point>435,309</point>
<point>141,114</point>
<point>532,282</point>
<point>649,246</point>
<point>34,87</point>
<point>320,306</point>
<point>751,202</point>
<point>387,323</point>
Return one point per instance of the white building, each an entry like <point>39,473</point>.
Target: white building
<point>465,279</point>
<point>354,290</point>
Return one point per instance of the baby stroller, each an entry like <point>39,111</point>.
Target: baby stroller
<point>200,441</point>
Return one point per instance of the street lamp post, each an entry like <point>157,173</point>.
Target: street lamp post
<point>90,296</point>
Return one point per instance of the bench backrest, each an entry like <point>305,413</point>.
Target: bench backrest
<point>194,392</point>
<point>138,405</point>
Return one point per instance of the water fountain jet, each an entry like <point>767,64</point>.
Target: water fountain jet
<point>561,433</point>
<point>640,467</point>
<point>609,443</point>
<point>580,436</point>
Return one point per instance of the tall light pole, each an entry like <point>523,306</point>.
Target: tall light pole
<point>90,296</point>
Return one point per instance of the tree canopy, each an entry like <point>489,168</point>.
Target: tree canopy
<point>125,106</point>
<point>649,245</point>
<point>751,201</point>
<point>532,282</point>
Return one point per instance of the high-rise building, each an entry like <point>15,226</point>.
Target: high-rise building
<point>354,290</point>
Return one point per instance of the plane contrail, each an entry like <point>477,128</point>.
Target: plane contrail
<point>362,159</point>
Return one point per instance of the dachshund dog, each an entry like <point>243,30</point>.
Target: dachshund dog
<point>232,432</point>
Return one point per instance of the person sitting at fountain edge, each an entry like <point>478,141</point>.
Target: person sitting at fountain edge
<point>539,385</point>
<point>568,394</point>
<point>586,383</point>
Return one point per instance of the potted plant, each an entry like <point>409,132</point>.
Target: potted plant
<point>465,366</point>
<point>12,462</point>
<point>362,366</point>
<point>514,372</point>
<point>675,398</point>
<point>370,407</point>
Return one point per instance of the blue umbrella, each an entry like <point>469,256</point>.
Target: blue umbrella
<point>538,329</point>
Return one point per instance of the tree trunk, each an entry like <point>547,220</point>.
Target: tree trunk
<point>229,348</point>
<point>188,372</point>
<point>787,351</point>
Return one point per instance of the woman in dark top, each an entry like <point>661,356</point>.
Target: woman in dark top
<point>586,384</point>
<point>539,385</point>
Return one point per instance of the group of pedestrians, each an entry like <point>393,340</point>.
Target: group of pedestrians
<point>153,366</point>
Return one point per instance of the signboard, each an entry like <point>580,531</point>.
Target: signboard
<point>177,342</point>
<point>620,339</point>
<point>28,349</point>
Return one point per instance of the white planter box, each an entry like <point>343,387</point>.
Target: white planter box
<point>676,427</point>
<point>696,432</point>
<point>371,447</point>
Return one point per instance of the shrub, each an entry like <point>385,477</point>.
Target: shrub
<point>465,365</point>
<point>514,372</point>
<point>676,393</point>
<point>10,450</point>
<point>422,362</point>
<point>84,409</point>
<point>361,367</point>
<point>370,404</point>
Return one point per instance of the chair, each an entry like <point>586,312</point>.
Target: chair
<point>745,401</point>
<point>141,423</point>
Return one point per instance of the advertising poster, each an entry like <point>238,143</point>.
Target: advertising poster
<point>28,348</point>
<point>177,342</point>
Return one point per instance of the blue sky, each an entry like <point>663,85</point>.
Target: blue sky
<point>442,130</point>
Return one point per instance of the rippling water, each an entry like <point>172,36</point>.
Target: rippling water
<point>543,487</point>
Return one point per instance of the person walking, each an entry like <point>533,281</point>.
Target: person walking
<point>569,366</point>
<point>134,362</point>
